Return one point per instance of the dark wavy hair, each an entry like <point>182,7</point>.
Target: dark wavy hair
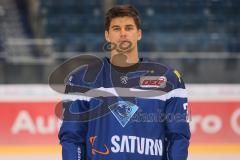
<point>122,11</point>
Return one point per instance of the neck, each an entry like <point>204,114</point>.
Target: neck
<point>124,59</point>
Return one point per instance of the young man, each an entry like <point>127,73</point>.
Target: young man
<point>142,117</point>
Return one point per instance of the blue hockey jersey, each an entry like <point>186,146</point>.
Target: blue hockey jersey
<point>115,113</point>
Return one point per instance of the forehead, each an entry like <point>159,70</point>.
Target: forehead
<point>122,21</point>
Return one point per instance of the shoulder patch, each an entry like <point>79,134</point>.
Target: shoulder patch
<point>178,75</point>
<point>70,78</point>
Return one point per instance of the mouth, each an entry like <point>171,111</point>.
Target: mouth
<point>123,40</point>
<point>124,45</point>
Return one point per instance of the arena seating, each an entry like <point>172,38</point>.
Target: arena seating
<point>198,37</point>
<point>191,25</point>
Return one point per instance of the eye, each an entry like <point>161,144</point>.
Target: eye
<point>129,28</point>
<point>116,29</point>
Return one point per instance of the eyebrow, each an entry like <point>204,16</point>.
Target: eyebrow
<point>129,25</point>
<point>117,26</point>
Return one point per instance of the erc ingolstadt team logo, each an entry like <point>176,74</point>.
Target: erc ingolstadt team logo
<point>123,111</point>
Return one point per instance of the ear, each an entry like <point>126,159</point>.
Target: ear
<point>107,36</point>
<point>139,34</point>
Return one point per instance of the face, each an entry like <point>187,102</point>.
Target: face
<point>123,29</point>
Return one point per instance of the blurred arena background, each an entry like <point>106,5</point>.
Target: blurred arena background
<point>201,38</point>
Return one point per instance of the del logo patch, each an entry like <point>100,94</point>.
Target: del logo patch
<point>153,82</point>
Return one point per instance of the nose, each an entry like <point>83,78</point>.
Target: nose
<point>123,33</point>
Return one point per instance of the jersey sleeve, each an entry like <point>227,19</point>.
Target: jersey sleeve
<point>177,126</point>
<point>72,131</point>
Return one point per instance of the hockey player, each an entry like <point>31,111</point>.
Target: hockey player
<point>134,109</point>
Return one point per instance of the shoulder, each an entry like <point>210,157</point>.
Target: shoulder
<point>87,73</point>
<point>175,78</point>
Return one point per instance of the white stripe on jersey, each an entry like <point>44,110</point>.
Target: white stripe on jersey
<point>127,92</point>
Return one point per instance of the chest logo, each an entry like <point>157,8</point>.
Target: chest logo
<point>153,82</point>
<point>123,111</point>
